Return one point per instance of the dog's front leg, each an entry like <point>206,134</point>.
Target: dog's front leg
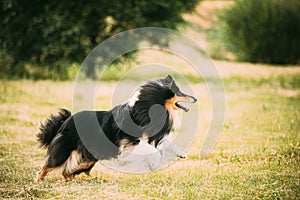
<point>169,150</point>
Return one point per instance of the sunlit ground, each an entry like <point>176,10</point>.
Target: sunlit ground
<point>257,155</point>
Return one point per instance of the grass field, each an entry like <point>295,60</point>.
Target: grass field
<point>256,157</point>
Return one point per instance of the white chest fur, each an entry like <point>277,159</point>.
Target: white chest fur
<point>176,118</point>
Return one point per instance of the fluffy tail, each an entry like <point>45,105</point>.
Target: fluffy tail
<point>50,127</point>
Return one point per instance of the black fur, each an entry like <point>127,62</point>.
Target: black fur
<point>50,127</point>
<point>150,94</point>
<point>60,136</point>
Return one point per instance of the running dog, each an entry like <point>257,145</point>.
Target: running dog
<point>67,150</point>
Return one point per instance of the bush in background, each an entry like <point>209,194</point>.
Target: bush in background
<point>264,31</point>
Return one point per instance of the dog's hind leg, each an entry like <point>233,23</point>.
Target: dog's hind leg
<point>41,174</point>
<point>82,167</point>
<point>77,163</point>
<point>46,169</point>
<point>58,153</point>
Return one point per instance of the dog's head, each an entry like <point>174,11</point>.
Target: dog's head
<point>161,91</point>
<point>177,99</point>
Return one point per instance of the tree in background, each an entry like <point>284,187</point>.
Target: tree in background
<point>48,32</point>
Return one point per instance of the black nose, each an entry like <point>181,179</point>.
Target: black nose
<point>195,100</point>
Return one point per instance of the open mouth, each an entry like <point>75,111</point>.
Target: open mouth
<point>183,100</point>
<point>179,105</point>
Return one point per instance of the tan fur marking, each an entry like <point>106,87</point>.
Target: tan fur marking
<point>67,169</point>
<point>123,144</point>
<point>173,110</point>
<point>72,162</point>
<point>44,171</point>
<point>170,104</point>
<point>41,174</point>
<point>70,174</point>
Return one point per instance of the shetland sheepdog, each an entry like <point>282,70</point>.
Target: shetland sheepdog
<point>66,149</point>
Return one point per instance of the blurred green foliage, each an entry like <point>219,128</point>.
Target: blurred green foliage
<point>52,35</point>
<point>259,31</point>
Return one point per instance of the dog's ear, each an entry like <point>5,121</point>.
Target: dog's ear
<point>168,79</point>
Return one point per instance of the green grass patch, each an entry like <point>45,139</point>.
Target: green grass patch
<point>256,157</point>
